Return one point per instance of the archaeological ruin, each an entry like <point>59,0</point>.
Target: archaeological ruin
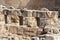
<point>25,24</point>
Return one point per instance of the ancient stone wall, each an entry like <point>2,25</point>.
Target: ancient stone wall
<point>19,22</point>
<point>24,24</point>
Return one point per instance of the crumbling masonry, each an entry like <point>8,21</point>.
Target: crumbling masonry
<point>23,24</point>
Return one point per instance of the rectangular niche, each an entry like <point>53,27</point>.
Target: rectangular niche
<point>21,20</point>
<point>38,21</point>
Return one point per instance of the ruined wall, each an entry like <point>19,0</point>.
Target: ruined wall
<point>22,24</point>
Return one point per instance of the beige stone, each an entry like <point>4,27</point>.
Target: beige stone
<point>51,29</point>
<point>31,21</point>
<point>51,18</point>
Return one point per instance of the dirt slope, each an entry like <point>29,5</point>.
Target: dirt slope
<point>30,4</point>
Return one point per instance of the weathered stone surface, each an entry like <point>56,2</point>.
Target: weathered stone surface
<point>31,21</point>
<point>16,25</point>
<point>49,37</point>
<point>2,18</point>
<point>51,29</point>
<point>52,18</point>
<point>24,30</point>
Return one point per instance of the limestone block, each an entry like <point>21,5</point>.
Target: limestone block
<point>3,30</point>
<point>29,33</point>
<point>20,31</point>
<point>32,31</point>
<point>8,19</point>
<point>13,29</point>
<point>51,29</point>
<point>13,19</point>
<point>32,21</point>
<point>52,17</point>
<point>2,19</point>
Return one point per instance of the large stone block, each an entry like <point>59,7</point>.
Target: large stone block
<point>2,18</point>
<point>13,29</point>
<point>20,31</point>
<point>13,19</point>
<point>31,21</point>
